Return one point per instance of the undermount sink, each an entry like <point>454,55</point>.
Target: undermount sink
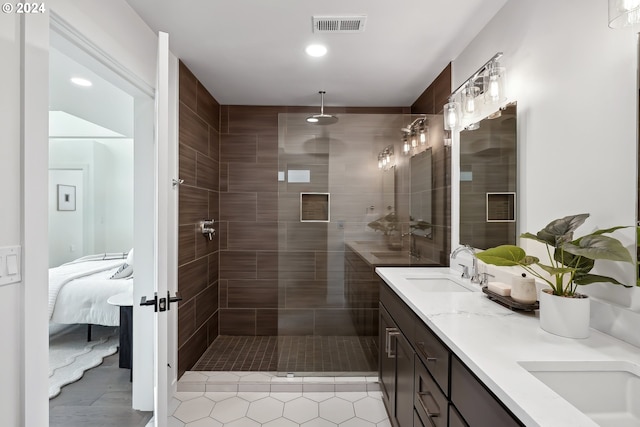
<point>607,392</point>
<point>436,284</point>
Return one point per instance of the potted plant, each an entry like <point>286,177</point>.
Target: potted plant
<point>569,266</point>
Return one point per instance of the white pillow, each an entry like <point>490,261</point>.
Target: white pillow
<point>130,258</point>
<point>123,272</point>
<point>125,269</point>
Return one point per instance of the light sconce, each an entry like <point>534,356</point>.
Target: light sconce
<point>624,13</point>
<point>469,96</point>
<point>385,158</point>
<point>415,134</point>
<point>494,83</point>
<point>451,115</point>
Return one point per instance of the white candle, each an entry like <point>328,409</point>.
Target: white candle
<point>523,290</point>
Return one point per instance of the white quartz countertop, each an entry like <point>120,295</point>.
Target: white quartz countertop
<point>492,341</point>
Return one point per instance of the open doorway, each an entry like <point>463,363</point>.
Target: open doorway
<point>91,239</point>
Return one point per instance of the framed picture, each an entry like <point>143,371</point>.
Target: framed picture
<point>66,197</point>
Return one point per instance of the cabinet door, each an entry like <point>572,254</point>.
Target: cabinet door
<point>404,381</point>
<point>387,361</point>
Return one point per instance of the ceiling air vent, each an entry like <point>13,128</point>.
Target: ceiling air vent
<point>339,24</point>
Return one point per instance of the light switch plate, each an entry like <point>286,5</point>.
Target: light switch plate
<point>10,265</point>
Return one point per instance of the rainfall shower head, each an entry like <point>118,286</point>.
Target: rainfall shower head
<point>322,118</point>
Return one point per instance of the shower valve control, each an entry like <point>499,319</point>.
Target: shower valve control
<point>206,228</point>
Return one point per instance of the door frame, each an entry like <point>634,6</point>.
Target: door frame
<point>36,32</point>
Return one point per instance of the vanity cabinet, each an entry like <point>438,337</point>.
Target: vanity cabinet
<point>424,384</point>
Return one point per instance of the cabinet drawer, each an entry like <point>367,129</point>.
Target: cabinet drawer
<point>476,404</point>
<point>428,401</point>
<point>399,311</point>
<point>433,353</point>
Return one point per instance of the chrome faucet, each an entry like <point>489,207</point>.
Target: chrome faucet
<point>413,249</point>
<point>473,275</point>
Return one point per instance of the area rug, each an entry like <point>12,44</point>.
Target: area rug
<point>70,354</point>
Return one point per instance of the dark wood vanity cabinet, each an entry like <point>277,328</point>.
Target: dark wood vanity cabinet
<point>423,383</point>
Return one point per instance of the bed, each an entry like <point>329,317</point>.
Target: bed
<point>78,290</point>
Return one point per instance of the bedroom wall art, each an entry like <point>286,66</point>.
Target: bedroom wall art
<point>66,197</point>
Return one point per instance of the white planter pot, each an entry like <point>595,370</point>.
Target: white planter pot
<point>567,317</point>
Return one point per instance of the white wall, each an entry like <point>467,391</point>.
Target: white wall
<point>109,194</point>
<point>575,82</point>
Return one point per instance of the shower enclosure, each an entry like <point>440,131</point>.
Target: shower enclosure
<point>329,189</point>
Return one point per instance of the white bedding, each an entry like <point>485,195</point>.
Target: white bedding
<point>78,292</point>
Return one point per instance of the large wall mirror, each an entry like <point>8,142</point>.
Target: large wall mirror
<point>488,181</point>
<point>421,194</point>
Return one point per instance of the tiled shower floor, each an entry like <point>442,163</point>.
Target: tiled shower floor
<point>351,354</point>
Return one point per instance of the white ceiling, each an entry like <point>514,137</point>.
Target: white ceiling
<point>251,52</point>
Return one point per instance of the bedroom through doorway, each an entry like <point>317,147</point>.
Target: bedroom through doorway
<point>91,235</point>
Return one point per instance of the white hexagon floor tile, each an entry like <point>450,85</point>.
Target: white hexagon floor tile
<point>265,410</point>
<point>243,422</point>
<point>318,422</point>
<point>353,396</point>
<point>336,410</point>
<point>356,422</point>
<point>370,409</point>
<point>285,396</point>
<point>219,396</point>
<point>318,396</point>
<point>385,423</point>
<point>194,409</point>
<point>205,422</point>
<point>230,409</point>
<point>301,410</point>
<point>281,422</point>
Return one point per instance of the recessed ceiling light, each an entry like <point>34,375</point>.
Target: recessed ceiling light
<point>316,50</point>
<point>81,82</point>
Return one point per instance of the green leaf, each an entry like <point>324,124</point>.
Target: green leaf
<point>533,237</point>
<point>554,271</point>
<point>588,279</point>
<point>506,256</point>
<point>561,230</point>
<point>599,247</point>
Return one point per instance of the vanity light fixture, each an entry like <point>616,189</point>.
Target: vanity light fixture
<point>406,147</point>
<point>385,158</point>
<point>415,134</point>
<point>487,82</point>
<point>423,133</point>
<point>624,13</point>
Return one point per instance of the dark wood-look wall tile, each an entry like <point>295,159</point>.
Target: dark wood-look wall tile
<point>238,265</point>
<point>252,293</point>
<point>268,263</point>
<point>187,86</point>
<point>266,321</point>
<point>223,227</point>
<point>442,89</point>
<point>224,177</point>
<point>206,304</point>
<point>214,267</point>
<point>307,236</point>
<point>207,172</point>
<point>253,236</point>
<point>253,119</point>
<point>186,244</point>
<point>333,322</point>
<point>193,131</point>
<point>312,294</point>
<point>193,204</point>
<point>213,327</point>
<point>193,278</point>
<point>214,144</point>
<point>239,148</point>
<point>187,164</point>
<point>224,119</point>
<point>204,246</point>
<point>237,321</point>
<point>267,207</point>
<point>191,351</point>
<point>286,265</point>
<point>295,322</point>
<point>186,320</point>
<point>222,293</point>
<point>238,206</point>
<point>208,107</point>
<point>267,151</point>
<point>214,208</point>
<point>245,177</point>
